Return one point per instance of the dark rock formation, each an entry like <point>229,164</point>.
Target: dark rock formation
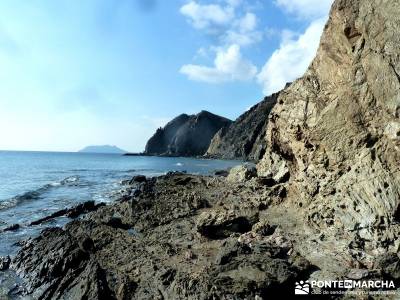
<point>244,138</point>
<point>73,212</point>
<point>13,227</point>
<point>186,135</point>
<point>5,262</point>
<point>65,268</point>
<point>180,237</point>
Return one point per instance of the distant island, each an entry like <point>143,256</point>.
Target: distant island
<point>105,149</point>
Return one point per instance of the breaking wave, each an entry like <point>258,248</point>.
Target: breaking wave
<point>37,194</point>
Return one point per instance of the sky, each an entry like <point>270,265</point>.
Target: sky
<point>94,72</point>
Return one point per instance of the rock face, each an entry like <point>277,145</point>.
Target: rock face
<point>337,129</point>
<point>186,135</point>
<point>244,138</point>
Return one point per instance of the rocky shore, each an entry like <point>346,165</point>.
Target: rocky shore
<point>182,236</point>
<point>322,204</point>
<point>176,237</point>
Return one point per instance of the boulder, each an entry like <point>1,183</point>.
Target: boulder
<point>241,173</point>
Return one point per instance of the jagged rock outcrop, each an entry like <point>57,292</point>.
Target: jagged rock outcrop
<point>186,135</point>
<point>337,130</point>
<point>245,137</point>
<point>180,237</point>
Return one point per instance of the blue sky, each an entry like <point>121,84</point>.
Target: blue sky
<point>77,73</point>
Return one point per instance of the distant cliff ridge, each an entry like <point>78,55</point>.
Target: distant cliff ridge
<point>244,138</point>
<point>103,149</point>
<point>186,135</point>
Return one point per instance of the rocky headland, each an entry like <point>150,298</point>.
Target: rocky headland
<point>245,138</point>
<point>322,204</point>
<point>186,135</point>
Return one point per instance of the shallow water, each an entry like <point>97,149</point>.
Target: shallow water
<point>36,184</point>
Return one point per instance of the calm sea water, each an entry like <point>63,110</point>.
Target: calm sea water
<point>36,184</point>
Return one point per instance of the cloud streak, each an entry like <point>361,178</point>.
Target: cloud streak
<point>296,51</point>
<point>229,65</point>
<point>290,61</point>
<point>207,16</point>
<point>306,9</point>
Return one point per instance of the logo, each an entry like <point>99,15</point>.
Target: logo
<point>302,288</point>
<point>344,287</point>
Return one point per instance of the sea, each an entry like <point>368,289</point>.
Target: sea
<point>36,184</point>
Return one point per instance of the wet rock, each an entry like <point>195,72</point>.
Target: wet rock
<point>74,212</point>
<point>57,214</point>
<point>5,262</point>
<point>13,227</point>
<point>138,179</point>
<point>83,208</point>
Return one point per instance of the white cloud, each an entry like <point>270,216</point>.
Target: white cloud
<point>235,28</point>
<point>229,65</point>
<point>244,31</point>
<point>205,16</point>
<point>309,9</point>
<point>291,60</point>
<point>234,3</point>
<point>242,39</point>
<point>248,22</point>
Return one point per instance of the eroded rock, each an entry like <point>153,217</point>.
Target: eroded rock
<point>221,224</point>
<point>241,173</point>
